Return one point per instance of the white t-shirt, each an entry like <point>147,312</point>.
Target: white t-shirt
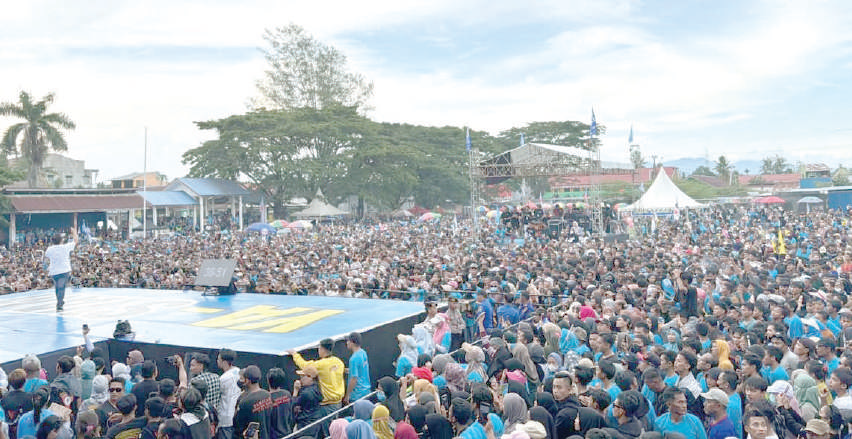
<point>60,258</point>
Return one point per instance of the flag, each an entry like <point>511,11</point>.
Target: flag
<point>593,128</point>
<point>522,139</point>
<point>630,140</point>
<point>87,232</point>
<point>467,140</point>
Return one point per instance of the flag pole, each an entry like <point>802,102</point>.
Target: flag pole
<point>145,189</point>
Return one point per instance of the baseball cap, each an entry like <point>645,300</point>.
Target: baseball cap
<point>717,395</point>
<point>310,371</point>
<point>818,427</point>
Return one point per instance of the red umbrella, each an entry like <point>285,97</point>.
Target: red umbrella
<point>769,200</point>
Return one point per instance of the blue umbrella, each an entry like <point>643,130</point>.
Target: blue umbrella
<point>261,227</point>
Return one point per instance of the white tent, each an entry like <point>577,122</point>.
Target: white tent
<point>319,209</point>
<point>663,196</point>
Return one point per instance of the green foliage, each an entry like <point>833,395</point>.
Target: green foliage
<point>704,170</point>
<point>564,133</point>
<point>840,176</point>
<point>619,192</point>
<point>8,176</point>
<point>304,72</point>
<point>703,191</point>
<point>723,168</point>
<point>36,135</point>
<point>775,165</point>
<point>636,158</point>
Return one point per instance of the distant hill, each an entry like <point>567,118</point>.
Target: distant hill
<point>687,166</point>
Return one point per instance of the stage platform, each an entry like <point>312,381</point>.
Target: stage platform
<point>263,324</point>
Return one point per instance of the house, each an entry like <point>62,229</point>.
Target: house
<point>770,182</point>
<point>58,172</point>
<point>139,179</point>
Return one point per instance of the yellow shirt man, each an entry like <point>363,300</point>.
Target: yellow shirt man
<point>330,368</point>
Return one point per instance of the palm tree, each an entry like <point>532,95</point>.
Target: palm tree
<point>39,133</point>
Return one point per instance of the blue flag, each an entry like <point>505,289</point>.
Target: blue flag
<point>630,140</point>
<point>593,128</point>
<point>467,140</point>
<point>522,139</point>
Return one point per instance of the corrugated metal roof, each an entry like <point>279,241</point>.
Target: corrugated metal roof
<point>211,187</point>
<point>74,203</point>
<point>168,198</point>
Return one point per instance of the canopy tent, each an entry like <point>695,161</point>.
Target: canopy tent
<point>663,196</point>
<point>319,209</point>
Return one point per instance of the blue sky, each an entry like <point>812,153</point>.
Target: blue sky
<point>744,79</point>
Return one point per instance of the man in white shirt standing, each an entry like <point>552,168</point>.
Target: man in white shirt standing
<point>59,257</point>
<point>230,390</point>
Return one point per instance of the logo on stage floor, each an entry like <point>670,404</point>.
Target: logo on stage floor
<point>268,318</point>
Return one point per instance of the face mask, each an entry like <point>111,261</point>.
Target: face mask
<point>380,395</point>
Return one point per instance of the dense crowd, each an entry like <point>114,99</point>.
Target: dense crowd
<point>711,324</point>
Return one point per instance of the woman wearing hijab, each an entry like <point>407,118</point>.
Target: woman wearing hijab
<point>520,390</point>
<point>442,338</point>
<point>547,402</point>
<point>552,334</point>
<point>456,379</point>
<point>722,351</point>
<point>416,417</point>
<point>520,352</point>
<point>389,388</point>
<point>501,355</point>
<point>100,393</point>
<point>438,427</point>
<point>542,416</point>
<point>404,431</point>
<point>337,429</point>
<point>474,356</point>
<point>423,338</point>
<point>359,429</point>
<point>382,422</point>
<point>362,409</point>
<point>807,394</point>
<point>407,355</point>
<point>514,411</point>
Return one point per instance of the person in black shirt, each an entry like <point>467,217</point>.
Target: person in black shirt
<point>108,408</point>
<point>146,387</point>
<point>306,404</point>
<point>255,405</point>
<point>154,409</point>
<point>16,402</point>
<point>281,421</point>
<point>130,427</point>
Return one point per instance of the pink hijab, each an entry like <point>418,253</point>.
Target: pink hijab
<point>337,429</point>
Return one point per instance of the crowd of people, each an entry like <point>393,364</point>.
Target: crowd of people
<point>729,322</point>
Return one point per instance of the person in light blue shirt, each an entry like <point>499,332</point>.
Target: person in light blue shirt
<point>677,419</point>
<point>359,369</point>
<point>772,370</point>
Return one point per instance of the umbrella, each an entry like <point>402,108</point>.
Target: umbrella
<point>300,224</point>
<point>532,205</point>
<point>810,200</point>
<point>492,214</point>
<point>401,213</point>
<point>482,209</point>
<point>278,224</point>
<point>260,228</point>
<point>769,200</point>
<point>546,206</point>
<point>429,216</point>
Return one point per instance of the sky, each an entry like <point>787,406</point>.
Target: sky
<point>694,78</point>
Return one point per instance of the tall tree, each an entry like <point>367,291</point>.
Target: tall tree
<point>305,72</point>
<point>775,165</point>
<point>39,132</point>
<point>723,169</point>
<point>636,158</point>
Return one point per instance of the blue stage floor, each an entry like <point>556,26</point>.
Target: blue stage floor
<point>245,322</point>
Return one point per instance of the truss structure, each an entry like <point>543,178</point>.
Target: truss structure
<point>543,160</point>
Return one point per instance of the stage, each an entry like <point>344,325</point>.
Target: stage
<point>263,324</point>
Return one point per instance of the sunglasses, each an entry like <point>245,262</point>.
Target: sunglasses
<point>115,389</point>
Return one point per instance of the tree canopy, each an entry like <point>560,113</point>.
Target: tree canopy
<point>305,72</point>
<point>775,165</point>
<point>39,132</point>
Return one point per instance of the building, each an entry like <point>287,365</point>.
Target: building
<point>58,172</point>
<point>139,179</point>
<point>770,182</point>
